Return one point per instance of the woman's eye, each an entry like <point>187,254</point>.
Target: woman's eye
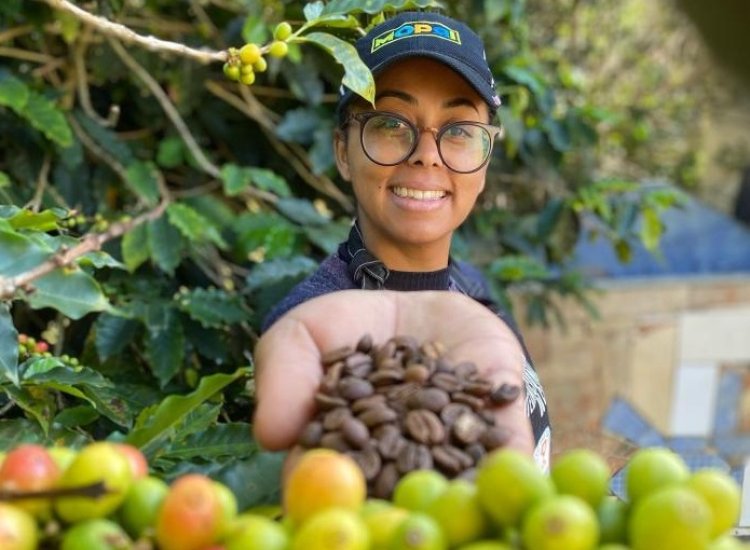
<point>389,123</point>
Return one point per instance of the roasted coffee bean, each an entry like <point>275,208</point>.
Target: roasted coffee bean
<point>355,432</point>
<point>369,462</point>
<point>331,377</point>
<point>433,350</point>
<point>365,403</point>
<point>383,377</point>
<point>446,381</point>
<point>335,441</point>
<point>450,459</point>
<point>504,394</point>
<point>352,388</point>
<point>360,370</point>
<point>480,388</point>
<point>311,435</point>
<point>452,411</point>
<point>417,373</point>
<point>424,426</point>
<point>379,414</point>
<point>335,418</point>
<point>357,359</point>
<point>365,344</point>
<point>476,403</point>
<point>468,428</point>
<point>389,440</point>
<point>465,370</point>
<point>384,352</point>
<point>433,399</point>
<point>385,481</point>
<point>338,354</point>
<point>494,437</point>
<point>327,402</point>
<point>476,451</point>
<point>399,394</point>
<point>414,457</point>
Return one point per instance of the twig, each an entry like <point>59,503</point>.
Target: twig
<point>169,109</point>
<point>66,256</point>
<point>125,34</point>
<point>41,184</point>
<point>15,32</point>
<point>87,142</point>
<point>25,55</point>
<point>83,86</point>
<point>93,490</point>
<point>324,185</point>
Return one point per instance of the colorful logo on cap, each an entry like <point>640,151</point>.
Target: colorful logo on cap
<point>414,29</point>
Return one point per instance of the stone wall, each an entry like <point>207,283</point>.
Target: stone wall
<point>661,345</point>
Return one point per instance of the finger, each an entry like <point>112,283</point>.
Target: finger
<point>288,373</point>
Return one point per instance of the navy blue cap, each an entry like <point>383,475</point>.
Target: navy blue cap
<point>426,34</point>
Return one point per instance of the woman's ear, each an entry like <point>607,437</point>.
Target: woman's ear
<point>339,150</point>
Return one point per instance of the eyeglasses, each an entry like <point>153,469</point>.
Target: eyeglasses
<point>389,139</point>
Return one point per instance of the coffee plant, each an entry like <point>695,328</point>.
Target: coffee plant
<point>168,175</point>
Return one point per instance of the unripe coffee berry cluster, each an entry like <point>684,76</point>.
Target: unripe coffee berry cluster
<point>242,64</point>
<point>404,406</point>
<point>30,346</point>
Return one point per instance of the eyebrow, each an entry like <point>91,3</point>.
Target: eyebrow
<point>408,98</point>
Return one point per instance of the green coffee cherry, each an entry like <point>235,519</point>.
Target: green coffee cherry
<point>261,65</point>
<point>232,72</point>
<point>247,78</point>
<point>282,31</point>
<point>278,49</point>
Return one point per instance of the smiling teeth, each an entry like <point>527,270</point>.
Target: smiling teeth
<point>418,194</point>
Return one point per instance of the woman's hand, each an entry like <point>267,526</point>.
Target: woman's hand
<point>288,355</point>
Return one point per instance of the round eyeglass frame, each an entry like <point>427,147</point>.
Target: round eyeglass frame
<point>364,116</point>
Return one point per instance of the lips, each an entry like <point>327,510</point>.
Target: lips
<point>418,194</point>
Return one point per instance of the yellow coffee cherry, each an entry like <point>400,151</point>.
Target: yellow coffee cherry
<point>247,78</point>
<point>246,69</point>
<point>261,65</point>
<point>278,49</point>
<point>282,31</point>
<point>232,72</point>
<point>249,53</point>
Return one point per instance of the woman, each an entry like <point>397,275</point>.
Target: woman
<point>416,162</point>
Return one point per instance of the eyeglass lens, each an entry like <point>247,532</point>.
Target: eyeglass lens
<point>389,140</point>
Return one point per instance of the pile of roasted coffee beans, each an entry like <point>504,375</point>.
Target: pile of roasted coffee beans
<point>403,406</point>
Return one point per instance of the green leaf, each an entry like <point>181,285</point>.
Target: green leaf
<point>112,334</point>
<point>105,138</point>
<point>109,402</point>
<point>73,293</point>
<point>37,365</point>
<point>174,408</point>
<point>19,253</point>
<point>299,125</point>
<point>171,152</point>
<point>213,307</point>
<point>40,405</point>
<point>376,6</point>
<point>166,244</point>
<point>99,259</point>
<point>16,431</point>
<point>235,179</point>
<point>651,229</point>
<point>518,268</point>
<point>134,247</point>
<point>272,271</point>
<point>269,180</point>
<point>143,178</point>
<point>301,211</point>
<point>194,226</point>
<point>254,30</point>
<point>4,180</point>
<point>71,376</point>
<point>37,221</point>
<point>357,77</point>
<point>8,345</point>
<point>165,342</point>
<point>48,119</point>
<point>76,416</point>
<point>218,441</point>
<point>13,92</point>
<point>312,10</point>
<point>199,420</point>
<point>328,236</point>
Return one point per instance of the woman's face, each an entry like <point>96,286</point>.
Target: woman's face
<point>409,212</point>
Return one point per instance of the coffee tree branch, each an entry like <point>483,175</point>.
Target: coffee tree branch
<point>66,256</point>
<point>125,34</point>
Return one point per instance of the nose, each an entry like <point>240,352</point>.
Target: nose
<point>426,152</point>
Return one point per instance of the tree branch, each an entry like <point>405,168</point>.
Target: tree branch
<point>123,33</point>
<point>66,256</point>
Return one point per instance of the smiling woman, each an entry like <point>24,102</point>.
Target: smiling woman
<point>416,163</point>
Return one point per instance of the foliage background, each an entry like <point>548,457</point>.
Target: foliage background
<point>152,210</point>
